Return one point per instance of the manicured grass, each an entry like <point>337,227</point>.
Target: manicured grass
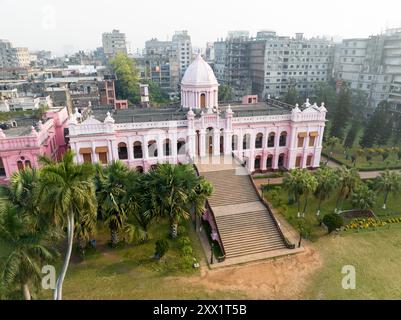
<point>375,256</point>
<point>376,162</point>
<point>131,272</point>
<point>290,211</point>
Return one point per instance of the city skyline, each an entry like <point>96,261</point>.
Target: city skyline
<point>59,28</point>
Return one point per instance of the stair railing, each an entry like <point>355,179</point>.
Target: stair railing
<point>287,243</point>
<point>209,208</point>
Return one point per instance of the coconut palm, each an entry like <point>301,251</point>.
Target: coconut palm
<point>67,193</point>
<point>111,193</point>
<point>363,198</point>
<point>389,182</point>
<point>327,182</point>
<point>349,179</point>
<point>171,193</point>
<point>29,250</point>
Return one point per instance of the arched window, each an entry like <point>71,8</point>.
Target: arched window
<point>181,146</point>
<point>152,148</point>
<point>20,165</point>
<point>283,139</point>
<point>270,141</point>
<point>138,150</point>
<point>28,164</point>
<point>258,141</point>
<point>246,142</point>
<point>167,148</point>
<point>234,142</point>
<point>139,169</point>
<point>122,151</point>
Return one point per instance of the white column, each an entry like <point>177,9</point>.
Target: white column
<point>228,142</point>
<point>202,142</point>
<point>160,151</point>
<point>130,148</point>
<point>216,142</point>
<point>145,151</point>
<point>94,158</point>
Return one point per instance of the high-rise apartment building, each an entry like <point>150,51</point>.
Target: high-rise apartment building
<point>231,63</point>
<point>270,64</point>
<point>113,43</point>
<point>11,57</point>
<point>182,49</point>
<point>278,63</point>
<point>372,65</point>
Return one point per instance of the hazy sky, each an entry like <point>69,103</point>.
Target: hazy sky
<point>69,25</point>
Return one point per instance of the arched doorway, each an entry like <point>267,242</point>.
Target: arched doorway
<point>122,151</point>
<point>203,100</point>
<point>181,146</point>
<point>281,159</point>
<point>197,143</point>
<point>209,141</point>
<point>269,162</point>
<point>257,163</point>
<point>138,150</point>
<point>167,148</point>
<point>139,169</point>
<point>152,148</point>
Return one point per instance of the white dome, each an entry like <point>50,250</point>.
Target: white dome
<point>199,73</point>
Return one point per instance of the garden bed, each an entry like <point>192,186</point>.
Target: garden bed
<point>349,215</point>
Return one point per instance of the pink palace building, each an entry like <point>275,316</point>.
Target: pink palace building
<point>264,135</point>
<point>24,139</point>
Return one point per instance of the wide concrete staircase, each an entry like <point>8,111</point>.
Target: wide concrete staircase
<point>245,226</point>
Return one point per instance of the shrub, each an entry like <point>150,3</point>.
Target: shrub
<point>181,230</point>
<point>186,250</point>
<point>161,248</point>
<point>333,221</point>
<point>184,241</point>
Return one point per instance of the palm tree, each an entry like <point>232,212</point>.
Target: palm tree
<point>67,193</point>
<point>348,181</point>
<point>327,182</point>
<point>200,192</point>
<point>293,183</point>
<point>139,208</point>
<point>388,182</point>
<point>172,194</point>
<point>331,143</point>
<point>308,185</point>
<point>363,198</point>
<point>111,192</point>
<point>29,250</point>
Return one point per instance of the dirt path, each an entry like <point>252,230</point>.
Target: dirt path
<point>284,278</point>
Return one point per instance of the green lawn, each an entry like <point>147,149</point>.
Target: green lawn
<point>290,211</point>
<point>132,273</point>
<point>374,254</point>
<point>361,163</point>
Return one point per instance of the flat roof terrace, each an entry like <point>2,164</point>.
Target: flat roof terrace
<point>174,113</point>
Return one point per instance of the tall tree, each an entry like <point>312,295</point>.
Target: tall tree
<point>67,193</point>
<point>29,250</point>
<point>363,198</point>
<point>327,183</point>
<point>127,84</point>
<point>341,113</point>
<point>326,92</point>
<point>351,134</point>
<point>226,93</point>
<point>110,193</point>
<point>379,126</point>
<point>388,182</point>
<point>349,179</point>
<point>291,96</point>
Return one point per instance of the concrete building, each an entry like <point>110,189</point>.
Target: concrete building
<point>182,50</point>
<point>278,63</point>
<point>11,57</point>
<point>113,43</point>
<point>372,65</point>
<point>232,63</point>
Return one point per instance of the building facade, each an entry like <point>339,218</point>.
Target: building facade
<point>113,43</point>
<point>21,143</point>
<point>11,57</point>
<point>372,65</point>
<point>266,136</point>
